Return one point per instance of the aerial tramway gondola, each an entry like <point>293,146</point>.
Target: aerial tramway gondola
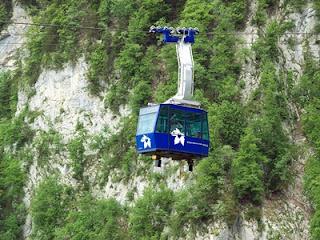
<point>178,128</point>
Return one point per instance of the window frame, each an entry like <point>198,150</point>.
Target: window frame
<point>168,119</point>
<point>203,121</point>
<point>144,112</point>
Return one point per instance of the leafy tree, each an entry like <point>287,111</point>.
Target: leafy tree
<point>15,132</point>
<point>311,123</point>
<point>49,208</point>
<point>316,5</point>
<point>307,95</point>
<point>76,152</point>
<point>226,121</point>
<point>5,13</point>
<point>12,214</point>
<point>312,188</point>
<point>274,143</point>
<point>94,220</point>
<point>202,200</point>
<point>150,214</point>
<point>5,94</point>
<point>308,89</point>
<point>247,170</point>
<point>210,174</point>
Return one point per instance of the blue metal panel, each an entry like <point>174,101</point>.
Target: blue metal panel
<point>161,141</point>
<point>145,143</point>
<point>167,37</point>
<point>189,145</point>
<point>186,109</point>
<point>191,35</point>
<point>188,33</point>
<point>152,142</point>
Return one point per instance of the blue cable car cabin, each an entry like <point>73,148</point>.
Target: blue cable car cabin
<point>169,130</point>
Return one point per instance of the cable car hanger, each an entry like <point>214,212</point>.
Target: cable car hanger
<point>183,38</point>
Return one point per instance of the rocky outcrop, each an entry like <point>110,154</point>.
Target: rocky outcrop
<point>62,99</point>
<point>12,38</point>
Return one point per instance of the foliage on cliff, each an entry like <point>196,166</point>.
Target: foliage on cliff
<point>251,153</point>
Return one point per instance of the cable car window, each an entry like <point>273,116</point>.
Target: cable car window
<point>163,120</point>
<point>147,119</point>
<point>205,129</point>
<point>146,123</point>
<point>147,110</point>
<point>177,120</point>
<point>193,125</point>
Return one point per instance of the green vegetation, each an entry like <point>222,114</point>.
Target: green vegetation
<point>308,97</point>
<point>12,179</point>
<point>8,94</point>
<point>94,219</point>
<point>208,197</point>
<point>5,13</point>
<point>76,153</point>
<point>12,214</point>
<point>14,134</point>
<point>296,4</point>
<point>316,6</point>
<point>47,145</point>
<point>58,214</point>
<point>54,45</point>
<point>227,121</point>
<point>150,214</point>
<point>117,151</point>
<point>247,170</point>
<point>266,47</point>
<point>251,153</point>
<point>49,208</point>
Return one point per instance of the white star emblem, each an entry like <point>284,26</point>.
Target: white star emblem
<point>146,141</point>
<point>179,137</point>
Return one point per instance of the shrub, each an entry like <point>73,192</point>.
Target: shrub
<point>316,6</point>
<point>94,220</point>
<point>12,179</point>
<point>224,65</point>
<point>8,94</point>
<point>202,200</point>
<point>274,143</point>
<point>308,88</point>
<point>54,46</point>
<point>76,152</point>
<point>247,170</point>
<point>226,121</point>
<point>5,94</point>
<point>314,225</point>
<point>5,13</point>
<point>210,174</point>
<point>312,188</point>
<point>49,208</point>
<point>297,4</point>
<point>97,68</point>
<point>190,211</point>
<point>12,224</point>
<point>150,214</point>
<point>15,132</point>
<point>47,144</point>
<point>266,48</point>
<point>117,152</point>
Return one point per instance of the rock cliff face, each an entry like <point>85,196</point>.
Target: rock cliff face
<point>13,38</point>
<point>63,102</point>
